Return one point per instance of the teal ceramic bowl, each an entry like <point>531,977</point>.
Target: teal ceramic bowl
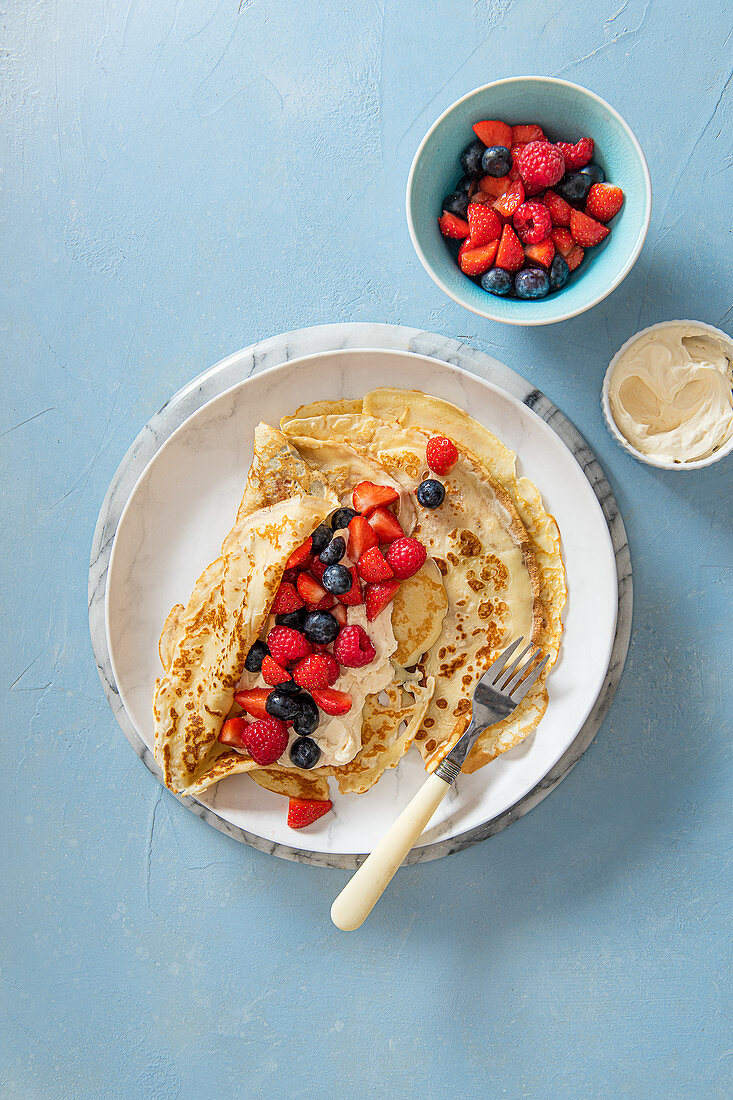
<point>566,112</point>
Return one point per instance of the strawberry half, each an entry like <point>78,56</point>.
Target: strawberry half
<point>494,133</point>
<point>511,200</point>
<point>604,201</point>
<point>586,231</point>
<point>273,673</point>
<point>232,732</point>
<point>253,701</point>
<point>309,588</point>
<point>494,185</point>
<point>367,496</point>
<point>541,254</point>
<point>453,227</point>
<point>377,596</point>
<point>483,223</point>
<point>478,260</point>
<point>362,536</point>
<point>522,135</point>
<point>340,614</point>
<point>331,701</point>
<point>574,257</point>
<point>300,556</point>
<point>386,526</point>
<point>560,210</point>
<point>510,254</point>
<point>354,595</point>
<point>304,811</point>
<point>372,566</point>
<point>286,600</point>
<point>563,240</point>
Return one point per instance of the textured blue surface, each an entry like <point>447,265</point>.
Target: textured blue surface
<point>180,180</point>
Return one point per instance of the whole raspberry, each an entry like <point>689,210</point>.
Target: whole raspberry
<point>353,647</point>
<point>406,556</point>
<point>541,164</point>
<point>312,672</point>
<point>441,454</point>
<point>578,155</point>
<point>532,222</point>
<point>266,740</point>
<point>287,645</point>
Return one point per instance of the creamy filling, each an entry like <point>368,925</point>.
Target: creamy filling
<point>671,393</point>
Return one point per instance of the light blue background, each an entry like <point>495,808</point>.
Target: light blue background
<point>181,179</point>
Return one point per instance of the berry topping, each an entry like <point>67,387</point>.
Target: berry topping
<point>361,536</point>
<point>540,255</point>
<point>353,596</point>
<point>541,164</point>
<point>333,668</point>
<point>574,187</point>
<point>368,496</point>
<point>273,673</point>
<point>455,204</point>
<point>386,526</point>
<point>253,701</point>
<point>496,161</point>
<point>301,556</point>
<point>295,620</point>
<point>594,172</point>
<point>353,647</point>
<point>574,257</point>
<point>316,569</point>
<point>340,613</point>
<point>441,454</point>
<point>532,222</point>
<point>471,159</point>
<point>431,493</point>
<point>312,672</point>
<point>308,717</point>
<point>332,702</point>
<point>266,740</point>
<point>510,254</point>
<point>453,227</point>
<point>304,811</point>
<point>321,538</point>
<point>287,599</point>
<point>559,272</point>
<point>563,240</point>
<point>286,645</point>
<point>493,188</point>
<point>377,596</point>
<point>282,704</point>
<point>304,753</point>
<point>477,260</point>
<point>253,660</point>
<point>586,231</point>
<point>524,134</point>
<point>232,732</point>
<point>484,225</point>
<point>341,518</point>
<point>372,566</point>
<point>337,580</point>
<point>334,551</point>
<point>406,556</point>
<point>321,628</point>
<point>311,591</point>
<point>560,211</point>
<point>604,201</point>
<point>532,282</point>
<point>510,200</point>
<point>498,281</point>
<point>576,156</point>
<point>494,133</point>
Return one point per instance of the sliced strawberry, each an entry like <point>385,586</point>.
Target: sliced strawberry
<point>309,588</point>
<point>333,668</point>
<point>367,496</point>
<point>494,133</point>
<point>466,246</point>
<point>511,200</point>
<point>574,257</point>
<point>286,600</point>
<point>386,525</point>
<point>312,672</point>
<point>331,701</point>
<point>300,556</point>
<point>484,224</point>
<point>361,536</point>
<point>540,254</point>
<point>521,135</point>
<point>478,260</point>
<point>341,614</point>
<point>326,603</point>
<point>510,254</point>
<point>453,227</point>
<point>586,231</point>
<point>494,186</point>
<point>514,173</point>
<point>232,732</point>
<point>604,201</point>
<point>273,673</point>
<point>560,210</point>
<point>563,240</point>
<point>372,566</point>
<point>317,568</point>
<point>377,596</point>
<point>354,595</point>
<point>253,701</point>
<point>304,811</point>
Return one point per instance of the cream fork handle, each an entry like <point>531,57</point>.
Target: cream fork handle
<point>357,899</point>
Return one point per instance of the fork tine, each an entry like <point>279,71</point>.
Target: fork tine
<point>507,673</point>
<point>512,682</point>
<point>519,690</point>
<point>500,662</point>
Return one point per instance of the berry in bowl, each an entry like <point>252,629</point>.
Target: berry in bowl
<point>529,222</point>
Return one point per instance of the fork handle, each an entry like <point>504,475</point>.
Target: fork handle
<point>362,892</point>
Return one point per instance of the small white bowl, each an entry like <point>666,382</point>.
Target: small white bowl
<point>650,460</point>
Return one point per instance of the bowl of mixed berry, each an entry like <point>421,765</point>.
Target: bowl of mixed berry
<point>529,200</point>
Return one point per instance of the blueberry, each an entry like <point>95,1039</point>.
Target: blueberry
<point>341,518</point>
<point>337,580</point>
<point>294,619</point>
<point>282,704</point>
<point>497,281</point>
<point>321,627</point>
<point>496,161</point>
<point>457,203</point>
<point>430,493</point>
<point>594,172</point>
<point>304,753</point>
<point>334,551</point>
<point>471,159</point>
<point>321,538</point>
<point>253,660</point>
<point>530,282</point>
<point>559,272</point>
<point>463,186</point>
<point>308,717</point>
<point>289,687</point>
<point>574,187</point>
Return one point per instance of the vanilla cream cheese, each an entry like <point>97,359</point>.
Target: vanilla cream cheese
<point>671,393</point>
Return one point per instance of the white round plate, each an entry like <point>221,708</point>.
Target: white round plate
<point>184,503</point>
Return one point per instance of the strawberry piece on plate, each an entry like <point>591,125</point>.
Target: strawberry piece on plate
<point>273,673</point>
<point>560,210</point>
<point>511,200</point>
<point>354,595</point>
<point>377,596</point>
<point>484,224</point>
<point>522,135</point>
<point>253,701</point>
<point>232,732</point>
<point>386,526</point>
<point>331,701</point>
<point>362,537</point>
<point>300,556</point>
<point>372,566</point>
<point>540,255</point>
<point>604,201</point>
<point>304,811</point>
<point>574,257</point>
<point>367,496</point>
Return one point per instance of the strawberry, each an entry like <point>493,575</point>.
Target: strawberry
<point>560,210</point>
<point>511,200</point>
<point>361,537</point>
<point>354,595</point>
<point>312,672</point>
<point>273,673</point>
<point>317,568</point>
<point>304,811</point>
<point>483,223</point>
<point>510,254</point>
<point>406,556</point>
<point>466,246</point>
<point>541,254</point>
<point>340,613</point>
<point>377,596</point>
<point>586,231</point>
<point>494,133</point>
<point>266,740</point>
<point>521,135</point>
<point>516,151</point>
<point>477,260</point>
<point>604,201</point>
<point>309,588</point>
<point>286,600</point>
<point>541,164</point>
<point>290,576</point>
<point>300,557</point>
<point>331,701</point>
<point>373,567</point>
<point>333,668</point>
<point>386,526</point>
<point>326,603</point>
<point>453,227</point>
<point>367,496</point>
<point>287,645</point>
<point>441,454</point>
<point>494,185</point>
<point>532,222</point>
<point>562,239</point>
<point>578,155</point>
<point>253,701</point>
<point>574,257</point>
<point>232,732</point>
<point>353,647</point>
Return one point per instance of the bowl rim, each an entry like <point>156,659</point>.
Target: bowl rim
<point>632,258</point>
<point>615,431</point>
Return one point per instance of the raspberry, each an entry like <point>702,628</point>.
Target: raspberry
<point>286,600</point>
<point>578,155</point>
<point>406,556</point>
<point>532,222</point>
<point>353,647</point>
<point>266,740</point>
<point>541,164</point>
<point>373,567</point>
<point>273,673</point>
<point>287,645</point>
<point>312,672</point>
<point>441,454</point>
<point>304,811</point>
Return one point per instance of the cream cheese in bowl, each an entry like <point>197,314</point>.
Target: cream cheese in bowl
<point>669,394</point>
